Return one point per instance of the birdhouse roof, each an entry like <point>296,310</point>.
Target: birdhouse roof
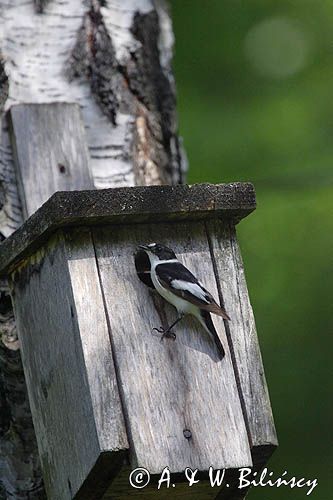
<point>140,204</point>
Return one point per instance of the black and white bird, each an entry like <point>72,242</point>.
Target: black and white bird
<point>176,284</point>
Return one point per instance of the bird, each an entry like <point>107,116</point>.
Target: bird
<point>176,284</point>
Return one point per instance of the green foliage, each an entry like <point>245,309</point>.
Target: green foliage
<point>239,123</point>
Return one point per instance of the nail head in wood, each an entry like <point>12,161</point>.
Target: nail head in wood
<point>187,434</point>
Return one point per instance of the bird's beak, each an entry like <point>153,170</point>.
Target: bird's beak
<point>144,247</point>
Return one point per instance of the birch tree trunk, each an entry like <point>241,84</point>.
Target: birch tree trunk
<point>113,57</point>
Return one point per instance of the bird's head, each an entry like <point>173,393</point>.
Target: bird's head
<point>156,251</point>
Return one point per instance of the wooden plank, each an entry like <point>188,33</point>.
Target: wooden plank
<point>171,386</point>
<point>128,205</point>
<point>69,368</point>
<point>50,151</point>
<point>243,340</point>
<point>95,339</point>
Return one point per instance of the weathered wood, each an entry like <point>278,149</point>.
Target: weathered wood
<point>123,82</point>
<point>122,205</point>
<point>95,339</point>
<point>241,331</point>
<point>46,137</point>
<point>38,147</point>
<point>68,366</point>
<point>171,386</point>
<point>50,151</point>
<point>165,388</point>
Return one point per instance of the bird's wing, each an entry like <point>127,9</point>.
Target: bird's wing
<point>179,280</point>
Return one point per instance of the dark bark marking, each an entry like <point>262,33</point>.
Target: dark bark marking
<point>140,88</point>
<point>151,86</point>
<point>93,58</point>
<point>4,84</point>
<point>40,5</point>
<point>145,75</point>
<point>15,422</point>
<point>4,87</point>
<point>2,202</point>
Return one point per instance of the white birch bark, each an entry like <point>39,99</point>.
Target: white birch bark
<point>113,57</point>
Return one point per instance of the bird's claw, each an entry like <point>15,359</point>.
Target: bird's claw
<point>165,333</point>
<point>169,335</point>
<point>159,330</point>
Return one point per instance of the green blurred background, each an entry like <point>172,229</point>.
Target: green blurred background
<point>255,102</point>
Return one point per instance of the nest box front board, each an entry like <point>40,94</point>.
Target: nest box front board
<point>106,394</point>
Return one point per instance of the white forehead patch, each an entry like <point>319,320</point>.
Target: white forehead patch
<point>152,245</point>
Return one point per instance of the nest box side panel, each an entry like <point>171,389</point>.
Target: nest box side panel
<point>181,403</point>
<point>96,347</point>
<point>54,345</point>
<point>244,340</point>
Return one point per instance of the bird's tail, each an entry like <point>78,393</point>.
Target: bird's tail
<point>208,324</point>
<point>219,310</point>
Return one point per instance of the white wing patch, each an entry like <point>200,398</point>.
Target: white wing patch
<point>192,288</point>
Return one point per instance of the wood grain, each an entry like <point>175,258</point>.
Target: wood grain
<point>68,366</point>
<point>170,386</point>
<point>95,340</point>
<point>50,151</point>
<point>243,340</point>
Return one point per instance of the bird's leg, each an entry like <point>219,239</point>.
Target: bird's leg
<point>167,332</point>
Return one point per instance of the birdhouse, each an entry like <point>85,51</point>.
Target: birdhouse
<point>108,395</point>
